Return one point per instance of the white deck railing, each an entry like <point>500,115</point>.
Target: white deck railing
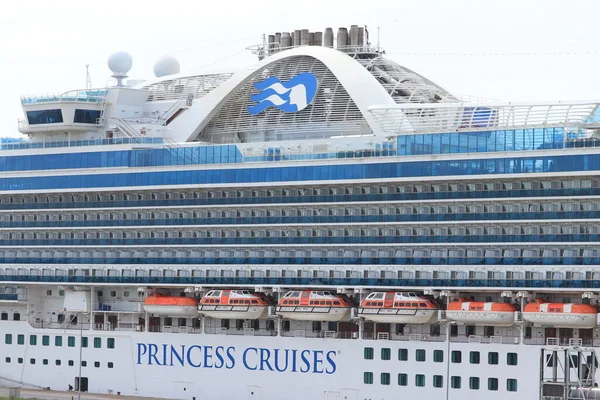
<point>401,119</point>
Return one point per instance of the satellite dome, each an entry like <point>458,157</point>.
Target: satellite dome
<point>120,63</point>
<point>166,65</point>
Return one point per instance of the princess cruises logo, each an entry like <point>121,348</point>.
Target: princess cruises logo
<point>291,96</point>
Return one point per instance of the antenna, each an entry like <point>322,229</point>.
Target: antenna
<point>378,42</point>
<point>88,79</point>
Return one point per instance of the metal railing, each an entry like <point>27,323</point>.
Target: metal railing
<point>78,95</point>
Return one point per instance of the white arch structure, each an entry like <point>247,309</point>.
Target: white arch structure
<point>361,86</point>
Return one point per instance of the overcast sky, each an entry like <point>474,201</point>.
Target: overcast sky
<point>46,44</point>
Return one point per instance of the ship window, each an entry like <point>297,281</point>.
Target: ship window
<point>493,358</point>
<point>438,356</point>
<point>511,385</point>
<point>58,341</point>
<point>423,305</point>
<point>385,378</point>
<point>420,355</point>
<point>7,360</point>
<point>8,338</point>
<point>71,363</point>
<point>48,292</point>
<point>45,340</point>
<point>110,365</point>
<point>402,379</point>
<point>403,354</point>
<point>368,378</point>
<point>44,117</point>
<point>71,341</point>
<point>45,361</point>
<point>86,116</point>
<point>438,381</point>
<point>110,343</point>
<point>16,317</point>
<point>368,353</point>
<point>492,383</point>
<point>84,341</point>
<point>512,358</point>
<point>20,339</point>
<point>84,363</point>
<point>455,382</point>
<point>33,340</point>
<point>420,380</point>
<point>474,383</point>
<point>57,362</point>
<point>20,360</point>
<point>386,354</point>
<point>97,342</point>
<point>474,357</point>
<point>456,357</point>
<point>32,361</point>
<point>4,316</point>
<point>97,364</point>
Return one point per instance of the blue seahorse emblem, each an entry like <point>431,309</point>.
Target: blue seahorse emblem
<point>291,96</point>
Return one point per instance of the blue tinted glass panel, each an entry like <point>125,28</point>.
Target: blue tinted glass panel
<point>44,117</point>
<point>83,116</point>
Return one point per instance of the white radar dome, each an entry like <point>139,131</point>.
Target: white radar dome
<point>166,65</point>
<point>120,63</point>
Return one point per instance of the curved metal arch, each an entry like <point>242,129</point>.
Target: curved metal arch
<point>361,86</point>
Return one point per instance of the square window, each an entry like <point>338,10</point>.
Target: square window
<point>20,339</point>
<point>420,355</point>
<point>419,380</point>
<point>368,378</point>
<point>71,341</point>
<point>402,379</point>
<point>403,354</point>
<point>20,360</point>
<point>71,363</point>
<point>48,292</point>
<point>438,381</point>
<point>474,357</point>
<point>455,382</point>
<point>97,364</point>
<point>61,292</point>
<point>126,293</point>
<point>113,293</point>
<point>45,340</point>
<point>97,342</point>
<point>110,343</point>
<point>438,356</point>
<point>7,359</point>
<point>84,363</point>
<point>512,358</point>
<point>386,354</point>
<point>369,353</point>
<point>45,361</point>
<point>8,338</point>
<point>110,365</point>
<point>456,356</point>
<point>32,361</point>
<point>33,340</point>
<point>58,341</point>
<point>474,383</point>
<point>493,384</point>
<point>493,358</point>
<point>385,378</point>
<point>511,385</point>
<point>57,362</point>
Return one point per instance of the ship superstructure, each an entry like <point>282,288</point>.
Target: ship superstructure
<point>324,220</point>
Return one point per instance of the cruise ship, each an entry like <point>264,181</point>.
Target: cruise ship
<point>323,224</point>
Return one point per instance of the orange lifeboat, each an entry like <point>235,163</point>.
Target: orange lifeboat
<point>398,307</point>
<point>173,306</point>
<point>233,304</point>
<point>314,305</point>
<point>481,313</point>
<point>560,315</point>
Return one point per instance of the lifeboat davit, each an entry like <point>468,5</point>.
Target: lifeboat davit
<point>560,315</point>
<point>481,313</point>
<point>314,305</point>
<point>398,307</point>
<point>233,304</point>
<point>172,306</point>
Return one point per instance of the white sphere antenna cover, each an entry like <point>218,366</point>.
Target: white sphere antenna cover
<point>120,62</point>
<point>166,65</point>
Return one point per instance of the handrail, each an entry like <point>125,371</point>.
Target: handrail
<point>78,95</point>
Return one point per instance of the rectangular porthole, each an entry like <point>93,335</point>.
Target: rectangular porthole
<point>455,382</point>
<point>402,379</point>
<point>493,358</point>
<point>456,357</point>
<point>420,355</point>
<point>385,378</point>
<point>493,384</point>
<point>386,354</point>
<point>368,353</point>
<point>511,385</point>
<point>438,356</point>
<point>420,380</point>
<point>438,381</point>
<point>512,358</point>
<point>403,354</point>
<point>368,378</point>
<point>474,383</point>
